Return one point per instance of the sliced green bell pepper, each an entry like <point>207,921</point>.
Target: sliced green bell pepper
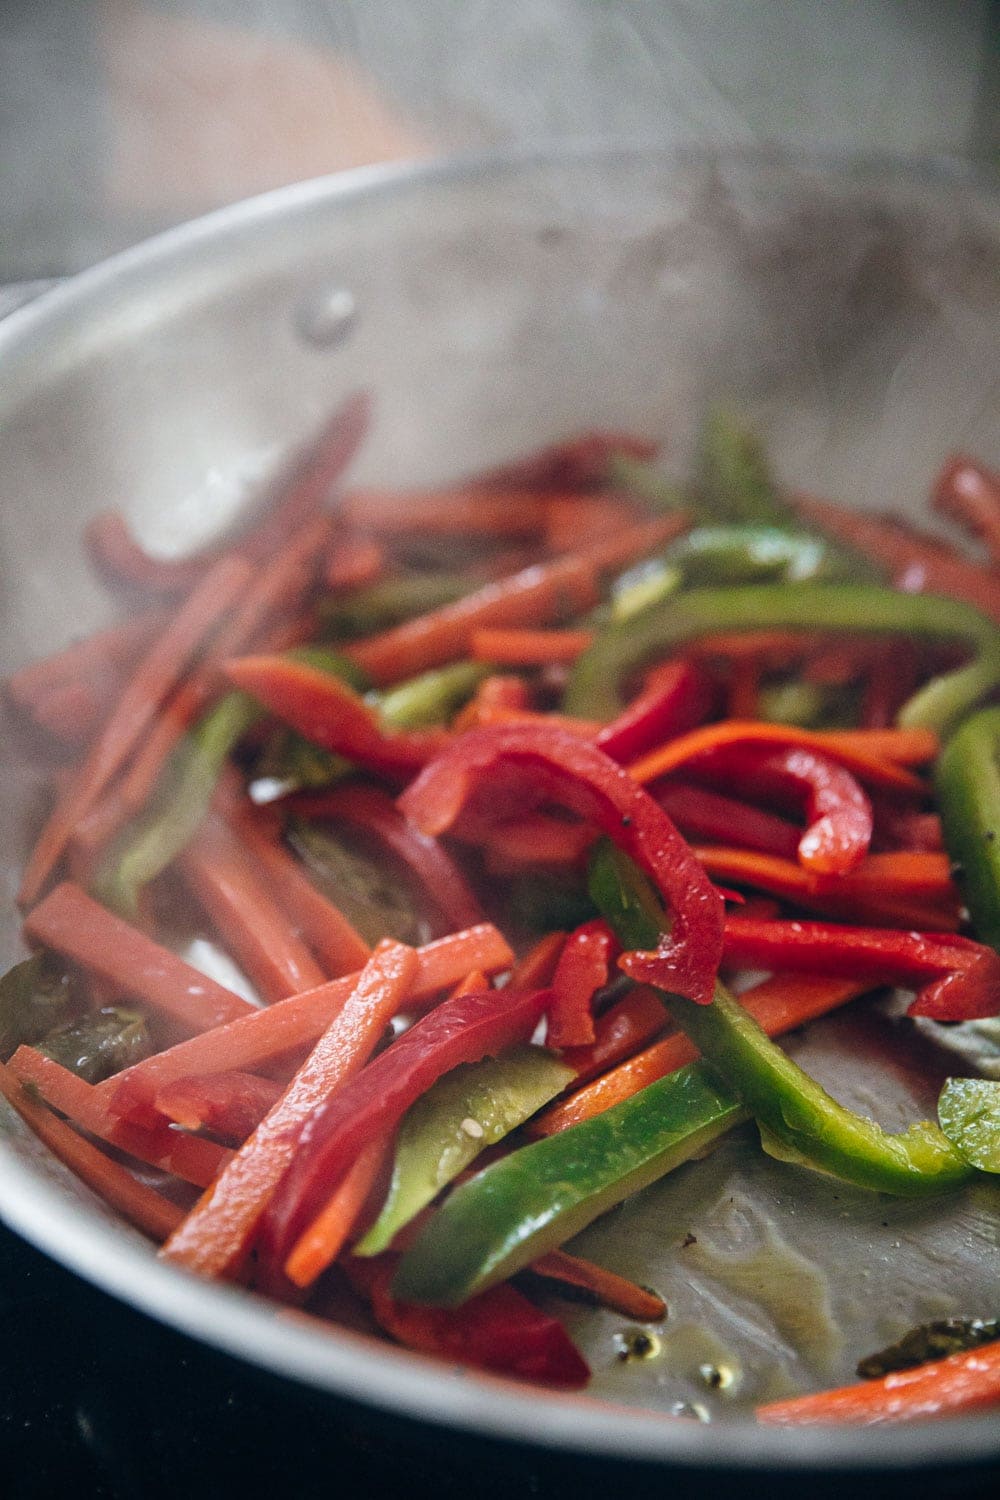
<point>967,780</point>
<point>598,677</point>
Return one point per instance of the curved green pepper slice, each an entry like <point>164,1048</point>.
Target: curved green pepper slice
<point>596,682</point>
<point>967,780</point>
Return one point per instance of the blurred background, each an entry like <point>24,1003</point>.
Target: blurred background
<point>121,117</point>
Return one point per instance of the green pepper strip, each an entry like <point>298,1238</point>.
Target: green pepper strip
<point>430,698</point>
<point>802,1121</point>
<point>148,846</point>
<point>473,1107</point>
<point>967,780</point>
<point>595,685</point>
<point>765,554</point>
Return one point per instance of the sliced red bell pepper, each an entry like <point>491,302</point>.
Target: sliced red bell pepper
<point>584,967</point>
<point>463,1029</point>
<point>570,771</point>
<point>500,1331</point>
<point>838,811</point>
<point>956,979</point>
<point>683,696</point>
<point>373,811</point>
<point>708,815</point>
<point>330,714</point>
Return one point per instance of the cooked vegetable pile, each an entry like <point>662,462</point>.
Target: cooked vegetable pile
<point>429,872</point>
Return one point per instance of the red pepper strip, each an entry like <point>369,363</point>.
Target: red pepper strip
<point>838,812</point>
<point>217,1234</point>
<point>73,924</point>
<point>619,1032</point>
<point>499,1331</point>
<point>703,814</point>
<point>584,967</point>
<point>712,739</point>
<point>328,713</point>
<point>581,460</point>
<point>955,978</point>
<point>898,828</point>
<point>684,695</point>
<point>229,1105</point>
<point>969,493</point>
<point>460,1030</point>
<point>573,772</point>
<point>961,1383</point>
<point>535,839</point>
<point>373,812</point>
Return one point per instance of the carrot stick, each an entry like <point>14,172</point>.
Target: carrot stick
<point>779,1003</point>
<point>230,1105</point>
<point>611,553</point>
<point>919,896</point>
<point>536,968</point>
<point>496,691</point>
<point>474,509</point>
<point>919,562</point>
<point>250,922</point>
<point>253,1041</point>
<point>904,747</point>
<point>152,681</point>
<point>119,558</point>
<point>89,658</point>
<point>570,517</point>
<point>339,948</point>
<point>868,764</point>
<point>535,839</point>
<point>534,596</point>
<point>319,1245</point>
<point>216,1235</point>
<point>474,982</point>
<point>186,1156</point>
<point>528,648</point>
<point>961,1383</point>
<point>579,461</point>
<point>969,493</point>
<point>353,562</point>
<point>149,1211</point>
<point>73,924</point>
<point>619,1032</point>
<point>608,1289</point>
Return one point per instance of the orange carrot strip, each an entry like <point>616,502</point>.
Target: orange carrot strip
<point>611,553</point>
<point>917,898</point>
<point>535,839</point>
<point>73,924</point>
<point>920,562</point>
<point>186,1156</point>
<point>242,909</point>
<point>528,648</point>
<point>535,970</point>
<point>252,1041</point>
<point>534,596</point>
<point>779,1003</point>
<point>584,729</point>
<point>227,1104</point>
<point>216,1235</point>
<point>905,747</point>
<point>149,1211</point>
<point>474,509</point>
<point>570,517</point>
<point>579,461</point>
<point>850,752</point>
<point>607,1288</point>
<point>969,493</point>
<point>319,1245</point>
<point>353,562</point>
<point>88,658</point>
<point>151,682</point>
<point>473,983</point>
<point>946,1387</point>
<point>619,1032</point>
<point>339,948</point>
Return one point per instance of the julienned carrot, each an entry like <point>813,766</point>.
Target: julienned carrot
<point>969,493</point>
<point>187,1156</point>
<point>611,553</point>
<point>779,1003</point>
<point>868,764</point>
<point>921,896</point>
<point>583,729</point>
<point>81,930</point>
<point>276,593</point>
<point>152,681</point>
<point>496,691</point>
<point>538,965</point>
<point>961,1383</point>
<point>229,1105</point>
<point>619,1032</point>
<point>473,508</point>
<point>319,1245</point>
<point>218,1232</point>
<point>89,658</point>
<point>255,1040</point>
<point>149,1211</point>
<point>569,517</point>
<point>919,562</point>
<point>353,562</point>
<point>117,556</point>
<point>579,461</point>
<point>534,839</point>
<point>339,948</point>
<point>534,596</point>
<point>528,648</point>
<point>608,1289</point>
<point>249,920</point>
<point>904,747</point>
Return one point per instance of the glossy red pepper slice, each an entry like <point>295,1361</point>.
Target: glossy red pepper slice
<point>500,1331</point>
<point>682,697</point>
<point>956,979</point>
<point>584,966</point>
<point>327,712</point>
<point>462,1029</point>
<point>487,769</point>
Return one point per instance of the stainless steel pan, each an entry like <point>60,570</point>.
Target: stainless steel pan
<point>854,309</point>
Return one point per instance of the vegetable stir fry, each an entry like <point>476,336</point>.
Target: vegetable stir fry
<point>427,873</point>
